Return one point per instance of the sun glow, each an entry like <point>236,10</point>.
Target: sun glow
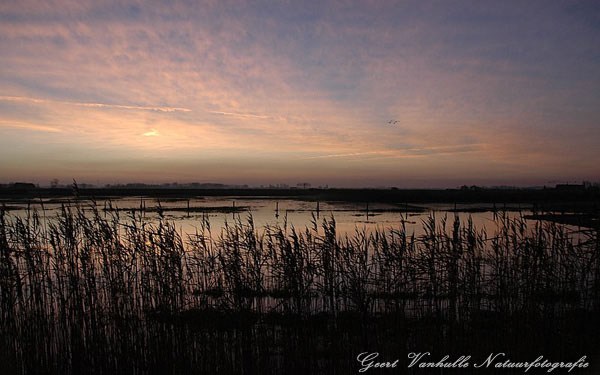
<point>151,133</point>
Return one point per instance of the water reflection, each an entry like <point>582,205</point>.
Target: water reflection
<point>349,217</point>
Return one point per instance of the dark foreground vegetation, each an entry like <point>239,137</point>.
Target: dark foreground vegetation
<point>90,291</point>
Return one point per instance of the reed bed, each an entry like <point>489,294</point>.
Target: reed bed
<point>108,292</point>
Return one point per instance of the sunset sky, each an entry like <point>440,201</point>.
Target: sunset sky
<point>483,92</point>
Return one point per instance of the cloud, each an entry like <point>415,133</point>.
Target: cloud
<point>240,115</point>
<point>406,152</point>
<point>95,105</point>
<point>306,84</point>
<point>351,154</point>
<point>28,126</point>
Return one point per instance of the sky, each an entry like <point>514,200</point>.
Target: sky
<point>268,92</point>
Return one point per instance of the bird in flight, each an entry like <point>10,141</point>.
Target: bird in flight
<point>393,122</point>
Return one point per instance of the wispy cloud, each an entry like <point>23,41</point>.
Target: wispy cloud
<point>240,115</point>
<point>405,152</point>
<point>94,105</point>
<point>28,126</point>
<point>350,154</point>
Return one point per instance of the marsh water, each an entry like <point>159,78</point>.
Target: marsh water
<point>188,214</point>
<point>287,306</point>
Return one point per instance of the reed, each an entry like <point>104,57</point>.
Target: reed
<point>103,292</point>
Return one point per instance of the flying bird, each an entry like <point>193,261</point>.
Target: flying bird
<point>393,122</point>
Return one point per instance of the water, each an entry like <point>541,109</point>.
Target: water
<point>188,214</point>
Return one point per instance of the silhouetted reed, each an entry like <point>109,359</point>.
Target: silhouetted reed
<point>105,292</point>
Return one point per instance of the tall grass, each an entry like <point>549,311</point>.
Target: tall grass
<point>89,291</point>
